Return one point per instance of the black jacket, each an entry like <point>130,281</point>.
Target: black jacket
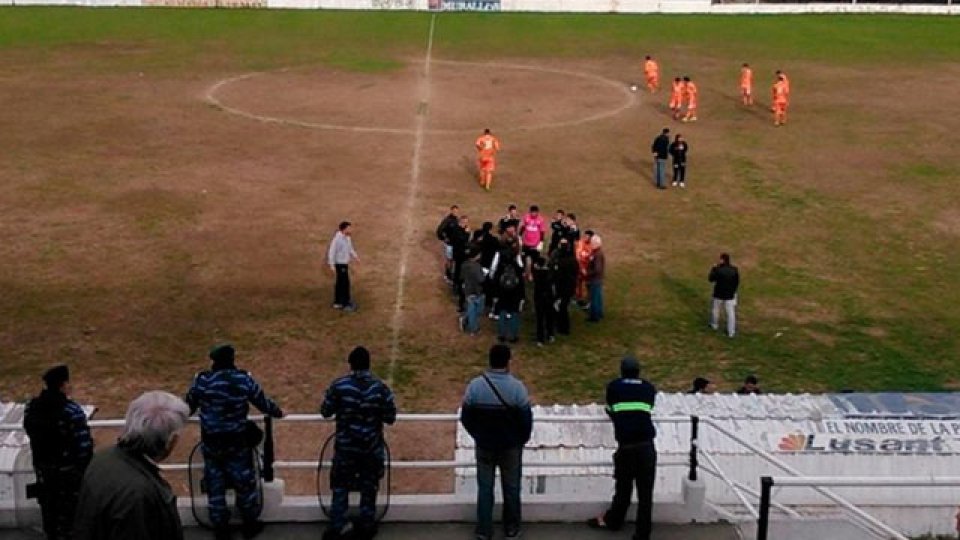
<point>630,405</point>
<point>678,150</point>
<point>459,239</point>
<point>726,280</point>
<point>661,146</point>
<point>124,497</point>
<point>566,269</point>
<point>446,225</point>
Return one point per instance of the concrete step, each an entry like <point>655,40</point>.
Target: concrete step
<point>464,531</point>
<point>809,529</point>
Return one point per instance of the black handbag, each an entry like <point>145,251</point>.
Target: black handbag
<point>252,434</point>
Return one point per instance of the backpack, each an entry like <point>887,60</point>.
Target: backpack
<point>510,277</point>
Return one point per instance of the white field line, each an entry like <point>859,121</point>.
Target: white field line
<point>412,192</point>
<point>630,99</point>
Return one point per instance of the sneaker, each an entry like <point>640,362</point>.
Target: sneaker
<point>252,528</point>
<point>539,344</point>
<point>551,339</point>
<point>598,523</point>
<point>513,533</point>
<point>682,185</point>
<point>673,184</point>
<point>462,323</point>
<point>350,308</point>
<point>338,306</point>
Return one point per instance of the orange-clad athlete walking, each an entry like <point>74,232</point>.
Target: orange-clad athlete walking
<point>690,93</point>
<point>676,97</point>
<point>487,148</point>
<point>781,100</point>
<point>746,84</point>
<point>651,71</point>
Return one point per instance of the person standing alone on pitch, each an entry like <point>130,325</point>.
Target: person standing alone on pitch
<point>339,256</point>
<point>487,147</point>
<point>678,151</point>
<point>362,404</point>
<point>496,413</point>
<point>630,402</point>
<point>651,74</point>
<point>227,438</point>
<point>746,85</point>
<point>62,448</point>
<point>661,150</point>
<point>726,280</point>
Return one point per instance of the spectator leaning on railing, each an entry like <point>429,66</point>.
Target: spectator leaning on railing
<point>496,412</point>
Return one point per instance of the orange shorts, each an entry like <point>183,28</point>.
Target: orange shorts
<point>780,107</point>
<point>676,102</point>
<point>692,104</point>
<point>746,89</point>
<point>487,164</point>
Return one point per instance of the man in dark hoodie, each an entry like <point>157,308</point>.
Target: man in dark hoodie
<point>496,412</point>
<point>630,406</point>
<point>62,448</point>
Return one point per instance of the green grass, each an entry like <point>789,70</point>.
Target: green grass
<point>266,36</point>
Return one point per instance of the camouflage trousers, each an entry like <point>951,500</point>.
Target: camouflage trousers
<point>225,469</point>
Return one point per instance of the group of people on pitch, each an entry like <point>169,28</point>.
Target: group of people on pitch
<point>492,269</point>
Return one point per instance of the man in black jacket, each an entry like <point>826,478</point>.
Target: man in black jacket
<point>62,448</point>
<point>661,150</point>
<point>726,280</point>
<point>496,412</point>
<point>565,271</point>
<point>448,223</point>
<point>630,405</point>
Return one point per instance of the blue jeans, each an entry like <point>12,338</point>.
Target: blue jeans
<point>660,172</point>
<point>475,304</point>
<point>596,300</point>
<point>508,326</point>
<point>509,463</point>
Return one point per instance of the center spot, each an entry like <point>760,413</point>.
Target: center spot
<point>464,97</point>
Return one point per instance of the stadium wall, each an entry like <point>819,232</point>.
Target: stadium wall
<point>944,7</point>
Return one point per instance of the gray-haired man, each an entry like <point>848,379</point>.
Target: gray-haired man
<point>123,495</point>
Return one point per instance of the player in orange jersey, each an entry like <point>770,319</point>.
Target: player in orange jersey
<point>651,71</point>
<point>786,80</point>
<point>487,148</point>
<point>781,99</point>
<point>676,97</point>
<point>690,95</point>
<point>746,84</point>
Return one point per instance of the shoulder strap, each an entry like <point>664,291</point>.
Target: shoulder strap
<point>495,391</point>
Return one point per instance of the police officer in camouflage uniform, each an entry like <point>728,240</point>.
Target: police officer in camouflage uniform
<point>62,448</point>
<point>362,404</point>
<point>223,395</point>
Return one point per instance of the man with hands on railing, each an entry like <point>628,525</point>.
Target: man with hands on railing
<point>227,437</point>
<point>630,405</point>
<point>362,404</point>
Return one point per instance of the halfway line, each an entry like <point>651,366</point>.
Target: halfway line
<point>420,123</point>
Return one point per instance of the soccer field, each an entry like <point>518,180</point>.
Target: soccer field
<point>170,179</point>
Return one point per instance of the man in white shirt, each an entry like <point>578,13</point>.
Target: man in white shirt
<point>339,255</point>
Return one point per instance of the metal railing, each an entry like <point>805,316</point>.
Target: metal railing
<point>761,513</point>
<point>768,482</point>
